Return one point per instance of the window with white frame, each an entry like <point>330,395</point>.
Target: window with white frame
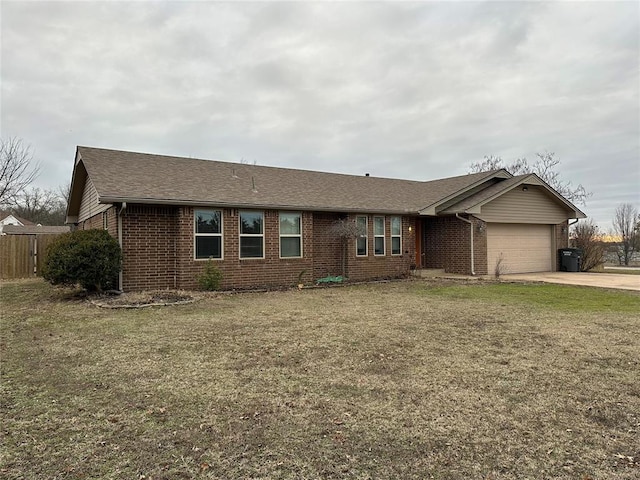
<point>251,234</point>
<point>378,235</point>
<point>208,234</point>
<point>361,242</point>
<point>290,235</point>
<point>396,235</point>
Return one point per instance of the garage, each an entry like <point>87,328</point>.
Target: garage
<point>523,248</point>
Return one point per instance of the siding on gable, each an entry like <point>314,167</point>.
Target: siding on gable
<point>519,206</point>
<point>89,205</point>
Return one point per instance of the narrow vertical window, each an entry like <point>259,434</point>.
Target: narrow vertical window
<point>361,242</point>
<point>208,234</point>
<point>105,220</point>
<point>378,235</point>
<point>251,235</point>
<point>290,235</point>
<point>396,235</point>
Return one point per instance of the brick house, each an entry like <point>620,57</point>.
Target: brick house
<point>266,226</point>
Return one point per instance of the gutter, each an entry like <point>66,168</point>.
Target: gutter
<point>473,270</point>
<point>122,207</point>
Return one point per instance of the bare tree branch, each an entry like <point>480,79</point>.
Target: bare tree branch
<point>545,167</point>
<point>625,224</point>
<point>16,170</point>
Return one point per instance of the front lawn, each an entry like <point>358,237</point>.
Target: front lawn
<point>405,380</point>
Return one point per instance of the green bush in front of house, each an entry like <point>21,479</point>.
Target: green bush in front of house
<point>211,278</point>
<point>90,258</point>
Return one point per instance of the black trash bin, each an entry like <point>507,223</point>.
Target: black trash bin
<point>570,259</point>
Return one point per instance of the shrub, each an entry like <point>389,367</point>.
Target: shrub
<point>91,258</point>
<point>586,237</point>
<point>211,278</point>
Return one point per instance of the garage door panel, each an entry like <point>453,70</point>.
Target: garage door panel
<point>523,247</point>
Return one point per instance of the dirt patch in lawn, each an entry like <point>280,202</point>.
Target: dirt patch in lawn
<point>143,299</point>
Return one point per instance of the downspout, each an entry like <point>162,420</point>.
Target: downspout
<point>473,270</point>
<point>569,228</point>
<point>122,207</point>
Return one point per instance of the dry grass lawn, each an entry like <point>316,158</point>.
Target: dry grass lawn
<point>406,380</point>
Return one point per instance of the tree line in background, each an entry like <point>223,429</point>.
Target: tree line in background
<point>18,171</point>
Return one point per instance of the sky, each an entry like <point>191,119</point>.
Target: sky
<point>414,90</point>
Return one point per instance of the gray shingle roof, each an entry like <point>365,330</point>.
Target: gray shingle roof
<point>34,229</point>
<point>146,178</point>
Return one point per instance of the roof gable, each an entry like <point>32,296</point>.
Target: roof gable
<point>474,203</point>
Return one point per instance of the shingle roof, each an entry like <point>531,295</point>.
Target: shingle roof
<point>146,178</point>
<point>483,195</point>
<point>5,213</point>
<point>34,229</point>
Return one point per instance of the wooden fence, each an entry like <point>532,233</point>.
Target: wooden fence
<point>22,256</point>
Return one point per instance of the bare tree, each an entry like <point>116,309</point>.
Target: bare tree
<point>586,236</point>
<point>16,169</point>
<point>346,229</point>
<point>625,224</point>
<point>545,167</point>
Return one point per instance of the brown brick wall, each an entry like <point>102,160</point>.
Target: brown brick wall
<point>562,240</point>
<point>272,271</point>
<point>479,246</point>
<point>386,266</point>
<point>446,244</point>
<point>158,250</point>
<point>149,247</point>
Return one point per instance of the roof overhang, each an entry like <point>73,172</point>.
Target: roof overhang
<point>432,210</point>
<point>111,199</point>
<point>78,181</point>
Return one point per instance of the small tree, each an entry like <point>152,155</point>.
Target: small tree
<point>346,229</point>
<point>586,236</point>
<point>211,278</point>
<point>625,225</point>
<point>90,258</point>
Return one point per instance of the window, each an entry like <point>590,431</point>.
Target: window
<point>251,235</point>
<point>208,234</point>
<point>361,242</point>
<point>378,235</point>
<point>290,235</point>
<point>105,220</point>
<point>396,236</point>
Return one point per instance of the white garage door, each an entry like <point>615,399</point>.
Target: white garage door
<point>523,248</point>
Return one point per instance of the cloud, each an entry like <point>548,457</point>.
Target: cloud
<point>410,90</point>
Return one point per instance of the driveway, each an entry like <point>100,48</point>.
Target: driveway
<point>603,280</point>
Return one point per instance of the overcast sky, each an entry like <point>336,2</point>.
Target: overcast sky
<point>404,90</point>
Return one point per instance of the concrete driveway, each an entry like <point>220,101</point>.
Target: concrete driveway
<point>603,280</point>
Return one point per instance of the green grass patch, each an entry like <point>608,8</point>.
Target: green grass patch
<point>539,295</point>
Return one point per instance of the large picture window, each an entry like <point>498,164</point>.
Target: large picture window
<point>361,242</point>
<point>251,235</point>
<point>208,234</point>
<point>396,236</point>
<point>378,235</point>
<point>290,235</point>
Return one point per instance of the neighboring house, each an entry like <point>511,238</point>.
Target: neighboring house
<point>264,226</point>
<point>7,218</point>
